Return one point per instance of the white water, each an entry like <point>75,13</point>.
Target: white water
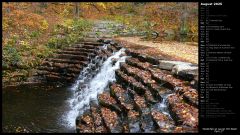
<point>163,105</point>
<point>82,97</point>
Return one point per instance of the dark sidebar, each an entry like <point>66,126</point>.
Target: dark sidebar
<point>218,67</point>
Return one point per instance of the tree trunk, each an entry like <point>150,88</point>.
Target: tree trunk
<point>77,10</point>
<point>184,18</point>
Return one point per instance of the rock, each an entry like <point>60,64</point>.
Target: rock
<point>149,97</point>
<point>118,47</point>
<point>87,39</point>
<point>111,120</point>
<point>113,43</point>
<point>84,129</point>
<point>147,124</point>
<point>185,71</point>
<point>135,62</point>
<point>140,104</point>
<point>155,34</point>
<point>140,75</point>
<point>133,120</point>
<point>194,82</point>
<point>169,34</point>
<point>191,97</point>
<point>123,78</point>
<point>122,97</point>
<point>97,119</point>
<point>165,79</point>
<point>106,100</point>
<point>111,48</point>
<point>85,124</point>
<point>100,40</point>
<point>181,112</point>
<point>107,41</point>
<point>114,60</point>
<point>149,59</point>
<point>165,124</point>
<point>155,90</point>
<point>168,65</point>
<point>132,53</point>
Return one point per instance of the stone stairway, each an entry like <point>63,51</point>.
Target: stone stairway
<point>66,64</point>
<point>149,96</point>
<point>110,29</point>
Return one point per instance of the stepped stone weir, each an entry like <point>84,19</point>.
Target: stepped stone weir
<point>119,90</point>
<point>144,99</point>
<point>66,64</point>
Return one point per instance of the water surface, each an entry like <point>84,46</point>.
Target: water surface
<point>28,109</point>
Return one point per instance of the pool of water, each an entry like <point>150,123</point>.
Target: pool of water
<point>48,109</point>
<point>28,109</point>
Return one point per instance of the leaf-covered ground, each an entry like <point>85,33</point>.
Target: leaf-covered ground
<point>187,52</point>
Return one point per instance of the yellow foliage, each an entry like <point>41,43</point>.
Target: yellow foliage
<point>44,25</point>
<point>101,4</point>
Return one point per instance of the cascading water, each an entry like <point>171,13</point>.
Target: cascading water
<point>162,106</point>
<point>86,88</point>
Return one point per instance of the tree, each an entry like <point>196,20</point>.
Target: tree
<point>77,9</point>
<point>184,18</point>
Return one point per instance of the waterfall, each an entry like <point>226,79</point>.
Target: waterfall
<point>86,88</point>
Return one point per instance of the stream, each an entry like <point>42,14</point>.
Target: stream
<point>41,109</point>
<point>54,109</point>
<point>28,109</point>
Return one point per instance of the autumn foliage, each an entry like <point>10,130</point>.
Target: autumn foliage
<point>31,30</point>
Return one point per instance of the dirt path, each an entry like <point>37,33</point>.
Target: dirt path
<point>175,50</point>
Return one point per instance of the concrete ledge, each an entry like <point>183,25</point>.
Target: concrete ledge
<point>186,70</point>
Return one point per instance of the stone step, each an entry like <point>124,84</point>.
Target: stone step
<point>92,43</point>
<point>75,53</point>
<point>137,63</point>
<point>181,112</point>
<point>164,123</point>
<point>152,84</point>
<point>97,119</point>
<point>140,104</point>
<point>111,120</point>
<point>152,91</point>
<point>80,50</point>
<point>84,63</point>
<point>189,95</point>
<point>121,77</point>
<point>55,78</point>
<point>147,124</point>
<point>122,97</point>
<point>150,97</point>
<point>106,52</point>
<point>60,70</point>
<point>86,46</point>
<point>112,48</point>
<point>140,75</point>
<point>85,124</point>
<point>87,39</point>
<point>107,101</point>
<point>134,121</point>
<point>61,65</point>
<point>71,57</point>
<point>164,77</point>
<point>143,57</point>
<point>45,72</point>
